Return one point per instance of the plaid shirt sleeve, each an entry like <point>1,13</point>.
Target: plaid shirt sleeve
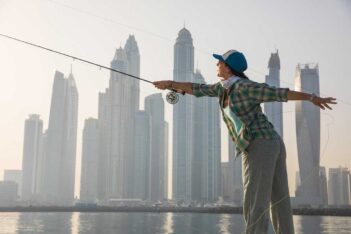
<point>262,92</point>
<point>210,90</point>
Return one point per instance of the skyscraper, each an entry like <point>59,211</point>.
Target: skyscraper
<point>211,169</point>
<point>308,136</point>
<point>183,126</point>
<point>117,109</point>
<point>200,154</point>
<point>206,165</point>
<point>338,187</point>
<point>40,189</point>
<point>323,185</point>
<point>226,186</point>
<point>142,144</point>
<point>133,56</point>
<point>274,110</point>
<point>60,157</point>
<point>90,157</point>
<point>158,169</point>
<point>32,135</point>
<point>196,133</point>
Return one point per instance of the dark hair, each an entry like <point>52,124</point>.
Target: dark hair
<point>236,73</point>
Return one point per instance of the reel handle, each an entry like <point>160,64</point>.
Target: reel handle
<point>178,91</point>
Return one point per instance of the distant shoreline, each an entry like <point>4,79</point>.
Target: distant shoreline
<point>213,210</point>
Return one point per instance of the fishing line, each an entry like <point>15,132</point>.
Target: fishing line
<point>169,40</point>
<point>172,97</point>
<point>207,53</point>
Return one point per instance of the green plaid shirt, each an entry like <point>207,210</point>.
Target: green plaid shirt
<point>245,97</point>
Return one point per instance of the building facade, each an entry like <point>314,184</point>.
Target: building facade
<point>274,110</point>
<point>61,139</point>
<point>338,187</point>
<point>118,106</point>
<point>90,158</point>
<point>308,137</point>
<point>196,133</point>
<point>158,177</point>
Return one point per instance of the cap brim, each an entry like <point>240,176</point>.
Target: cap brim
<point>219,57</point>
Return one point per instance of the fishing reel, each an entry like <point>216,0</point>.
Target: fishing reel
<point>172,96</point>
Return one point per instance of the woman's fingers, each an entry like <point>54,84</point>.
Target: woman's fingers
<point>325,102</point>
<point>160,84</point>
<point>327,106</point>
<point>331,100</point>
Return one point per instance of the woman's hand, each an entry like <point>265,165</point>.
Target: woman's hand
<point>323,102</point>
<point>163,84</point>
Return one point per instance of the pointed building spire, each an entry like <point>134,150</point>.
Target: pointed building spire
<point>70,76</point>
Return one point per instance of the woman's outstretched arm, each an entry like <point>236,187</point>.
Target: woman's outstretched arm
<point>318,101</point>
<point>169,84</point>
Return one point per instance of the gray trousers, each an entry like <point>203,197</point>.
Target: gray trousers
<point>266,188</point>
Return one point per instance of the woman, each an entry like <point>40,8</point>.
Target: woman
<point>263,151</point>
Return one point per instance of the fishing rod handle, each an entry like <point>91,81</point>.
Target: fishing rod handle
<point>177,91</point>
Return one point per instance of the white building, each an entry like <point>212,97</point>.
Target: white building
<point>8,193</point>
<point>15,176</point>
<point>183,125</point>
<point>117,109</point>
<point>308,136</point>
<point>158,170</point>
<point>323,185</point>
<point>226,186</point>
<point>196,133</point>
<point>274,110</point>
<point>60,149</point>
<point>33,131</point>
<point>206,163</point>
<point>212,164</point>
<point>90,157</point>
<point>142,146</point>
<point>338,186</point>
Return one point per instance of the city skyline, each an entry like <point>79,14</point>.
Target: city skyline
<point>150,161</point>
<point>305,48</point>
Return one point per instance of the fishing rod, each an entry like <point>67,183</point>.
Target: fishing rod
<point>172,97</point>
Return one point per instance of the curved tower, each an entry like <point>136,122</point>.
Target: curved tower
<point>308,136</point>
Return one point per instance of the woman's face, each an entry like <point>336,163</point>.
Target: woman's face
<point>222,70</point>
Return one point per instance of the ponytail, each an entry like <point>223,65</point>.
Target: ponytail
<point>240,74</point>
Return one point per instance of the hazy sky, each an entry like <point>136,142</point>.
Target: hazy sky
<point>315,31</point>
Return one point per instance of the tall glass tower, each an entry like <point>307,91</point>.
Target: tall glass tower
<point>118,106</point>
<point>274,110</point>
<point>183,126</point>
<point>308,136</point>
<point>60,156</point>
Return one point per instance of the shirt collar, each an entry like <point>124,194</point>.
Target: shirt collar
<point>229,82</point>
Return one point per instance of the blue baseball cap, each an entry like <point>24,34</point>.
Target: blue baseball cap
<point>234,59</point>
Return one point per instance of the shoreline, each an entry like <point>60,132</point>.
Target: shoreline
<point>214,210</point>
